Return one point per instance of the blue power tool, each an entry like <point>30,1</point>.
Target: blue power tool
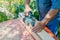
<point>29,19</point>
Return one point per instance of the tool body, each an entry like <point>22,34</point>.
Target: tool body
<point>29,19</point>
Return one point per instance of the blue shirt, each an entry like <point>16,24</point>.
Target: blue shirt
<point>44,6</point>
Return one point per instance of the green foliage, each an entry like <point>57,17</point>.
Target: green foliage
<point>3,17</point>
<point>16,6</point>
<point>33,4</point>
<point>33,7</point>
<point>59,29</point>
<point>59,33</point>
<point>36,15</point>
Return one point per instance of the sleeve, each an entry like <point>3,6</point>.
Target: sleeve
<point>55,4</point>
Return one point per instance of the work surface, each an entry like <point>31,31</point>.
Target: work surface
<point>17,30</point>
<point>14,30</point>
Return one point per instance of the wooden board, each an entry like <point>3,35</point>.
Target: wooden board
<point>17,30</point>
<point>44,35</point>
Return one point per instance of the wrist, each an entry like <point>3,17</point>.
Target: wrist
<point>45,20</point>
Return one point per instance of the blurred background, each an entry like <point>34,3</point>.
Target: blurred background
<point>10,9</point>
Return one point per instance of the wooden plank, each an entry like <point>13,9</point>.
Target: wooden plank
<point>44,35</point>
<point>16,28</point>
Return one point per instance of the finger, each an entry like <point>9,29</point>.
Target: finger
<point>25,13</point>
<point>38,30</point>
<point>35,29</point>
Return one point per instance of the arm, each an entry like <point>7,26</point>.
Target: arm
<point>40,25</point>
<point>53,11</point>
<point>49,16</point>
<point>55,8</point>
<point>27,3</point>
<point>27,7</point>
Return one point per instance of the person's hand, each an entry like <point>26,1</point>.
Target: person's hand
<point>39,26</point>
<point>27,9</point>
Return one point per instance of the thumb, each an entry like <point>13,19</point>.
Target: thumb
<point>26,13</point>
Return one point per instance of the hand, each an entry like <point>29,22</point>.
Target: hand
<point>39,26</point>
<point>27,9</point>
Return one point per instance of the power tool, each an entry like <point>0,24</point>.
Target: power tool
<point>29,19</point>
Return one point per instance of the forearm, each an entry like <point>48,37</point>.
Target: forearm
<point>27,3</point>
<point>49,16</point>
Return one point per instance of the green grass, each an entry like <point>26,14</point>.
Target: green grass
<point>59,33</point>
